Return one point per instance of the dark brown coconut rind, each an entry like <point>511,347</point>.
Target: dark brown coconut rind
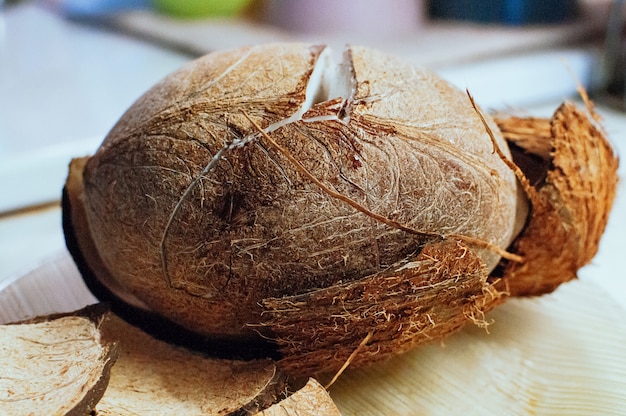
<point>91,388</point>
<point>576,180</point>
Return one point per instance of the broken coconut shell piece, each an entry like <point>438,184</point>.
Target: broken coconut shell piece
<point>278,194</point>
<point>55,365</point>
<point>575,169</point>
<point>91,360</point>
<point>310,400</point>
<point>152,377</point>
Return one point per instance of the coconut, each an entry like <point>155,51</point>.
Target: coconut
<point>324,204</point>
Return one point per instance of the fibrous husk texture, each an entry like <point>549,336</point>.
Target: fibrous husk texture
<point>575,173</point>
<point>442,289</point>
<point>274,192</point>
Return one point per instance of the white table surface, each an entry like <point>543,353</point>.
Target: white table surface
<point>68,83</point>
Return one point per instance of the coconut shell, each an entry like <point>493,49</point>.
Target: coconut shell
<point>201,219</point>
<point>152,377</point>
<point>575,170</point>
<point>56,364</point>
<point>310,400</point>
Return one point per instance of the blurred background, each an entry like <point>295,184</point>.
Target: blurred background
<point>70,68</point>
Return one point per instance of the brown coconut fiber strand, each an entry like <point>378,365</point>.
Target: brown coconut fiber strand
<point>571,207</point>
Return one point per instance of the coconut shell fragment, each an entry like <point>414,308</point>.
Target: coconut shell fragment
<point>55,365</point>
<point>571,203</point>
<point>310,400</point>
<point>93,361</point>
<point>152,377</point>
